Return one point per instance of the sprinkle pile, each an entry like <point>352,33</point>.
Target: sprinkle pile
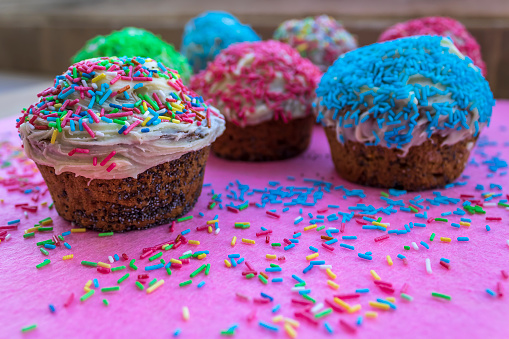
<point>391,87</point>
<point>248,75</point>
<point>321,39</point>
<point>442,26</point>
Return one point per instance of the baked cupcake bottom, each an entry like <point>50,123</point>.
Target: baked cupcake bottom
<point>426,166</point>
<point>157,196</point>
<point>270,140</point>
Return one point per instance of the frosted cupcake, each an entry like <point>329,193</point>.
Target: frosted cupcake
<point>121,143</point>
<point>265,90</point>
<point>404,113</point>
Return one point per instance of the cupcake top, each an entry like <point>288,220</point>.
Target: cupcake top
<point>135,42</point>
<point>320,39</point>
<point>442,26</point>
<point>401,92</point>
<point>113,118</point>
<point>254,82</point>
<point>209,33</point>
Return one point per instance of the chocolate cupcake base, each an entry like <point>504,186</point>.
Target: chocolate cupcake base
<point>426,166</point>
<point>268,141</point>
<point>157,196</point>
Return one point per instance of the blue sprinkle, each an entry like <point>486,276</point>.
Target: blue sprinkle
<point>307,269</point>
<point>330,242</point>
<point>286,248</point>
<point>314,249</point>
<point>425,245</point>
<point>277,280</point>
<point>154,267</point>
<point>116,257</point>
<point>200,285</point>
<point>236,255</point>
<point>276,308</point>
<point>297,278</point>
<point>488,228</point>
<point>268,326</point>
<point>66,233</point>
<point>362,290</point>
<point>349,237</point>
<point>96,283</point>
<point>186,231</point>
<point>50,246</point>
<point>491,292</point>
<point>364,256</point>
<point>296,235</point>
<point>67,245</point>
<point>463,239</point>
<point>13,222</point>
<point>401,256</point>
<point>177,332</point>
<point>350,247</point>
<point>266,296</point>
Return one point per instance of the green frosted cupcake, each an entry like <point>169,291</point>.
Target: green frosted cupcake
<point>131,42</point>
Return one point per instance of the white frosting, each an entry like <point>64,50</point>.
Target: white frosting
<point>135,152</point>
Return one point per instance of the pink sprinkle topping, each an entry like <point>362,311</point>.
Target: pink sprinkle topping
<point>112,166</point>
<point>105,161</point>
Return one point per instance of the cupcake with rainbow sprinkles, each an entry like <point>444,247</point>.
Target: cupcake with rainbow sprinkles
<point>122,143</point>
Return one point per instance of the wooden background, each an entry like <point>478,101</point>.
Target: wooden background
<point>40,36</point>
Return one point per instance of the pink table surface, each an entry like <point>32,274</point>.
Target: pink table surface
<point>476,265</point>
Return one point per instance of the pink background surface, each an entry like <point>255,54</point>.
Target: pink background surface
<point>475,265</point>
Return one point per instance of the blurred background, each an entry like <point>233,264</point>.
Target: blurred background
<point>38,37</point>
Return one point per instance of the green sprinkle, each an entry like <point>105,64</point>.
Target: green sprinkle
<point>167,247</point>
<point>123,278</point>
<point>406,297</point>
<point>50,206</point>
<point>274,265</point>
<point>432,237</point>
<point>383,194</point>
<point>118,121</point>
<point>197,271</point>
<point>413,209</point>
<point>249,276</point>
<point>276,244</point>
<point>89,263</point>
<point>140,285</point>
<point>87,295</point>
<point>29,328</point>
<point>74,73</point>
<point>227,333</point>
<point>152,282</point>
<point>320,228</point>
<point>441,219</point>
<point>119,268</point>
<point>61,237</point>
<point>132,265</point>
<point>503,204</point>
<point>306,296</point>
<point>44,263</point>
<point>186,256</point>
<point>168,270</point>
<point>478,209</point>
<point>41,243</point>
<point>440,295</point>
<point>43,251</point>
<point>244,206</point>
<point>106,302</point>
<point>189,217</point>
<point>110,289</point>
<point>207,269</point>
<point>185,283</point>
<point>323,313</point>
<point>211,206</point>
<point>300,284</point>
<point>163,262</point>
<point>106,234</point>
<point>45,229</point>
<point>262,279</point>
<point>155,256</point>
<point>406,247</point>
<point>29,235</point>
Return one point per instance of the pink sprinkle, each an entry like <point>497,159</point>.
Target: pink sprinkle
<point>94,161</point>
<point>85,126</point>
<point>133,125</point>
<point>82,150</point>
<point>69,300</point>
<point>115,79</point>
<point>105,161</point>
<point>405,287</point>
<point>112,166</point>
<point>330,248</point>
<point>71,153</point>
<point>273,214</point>
<point>505,275</point>
<point>342,229</point>
<point>142,79</point>
<point>348,327</point>
<point>93,116</point>
<point>383,237</point>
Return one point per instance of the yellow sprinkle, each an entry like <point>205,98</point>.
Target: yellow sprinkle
<point>331,274</point>
<point>99,77</point>
<point>371,314</point>
<point>193,242</point>
<point>54,136</point>
<point>389,260</point>
<point>175,261</point>
<point>277,319</point>
<point>375,275</point>
<point>463,223</point>
<point>145,121</point>
<point>212,222</point>
<point>155,286</point>
<point>186,97</point>
<point>86,289</point>
<point>270,256</point>
<point>292,322</point>
<point>379,305</point>
<point>391,299</point>
<point>175,121</point>
<point>341,303</point>
<point>234,241</point>
<point>376,223</point>
<point>103,264</point>
<point>312,256</point>
<point>164,118</point>
<point>332,284</point>
<point>78,230</point>
<point>145,106</point>
<point>310,227</point>
<point>88,284</point>
<point>33,229</point>
<point>227,263</point>
<point>247,241</point>
<point>202,256</point>
<point>42,204</point>
<point>185,313</point>
<point>354,308</point>
<point>57,105</point>
<point>209,229</point>
<point>487,195</point>
<point>444,239</point>
<point>46,222</point>
<point>67,257</point>
<point>290,331</point>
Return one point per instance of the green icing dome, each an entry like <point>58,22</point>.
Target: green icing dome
<point>132,42</point>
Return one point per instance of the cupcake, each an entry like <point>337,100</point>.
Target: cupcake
<point>403,114</point>
<point>135,42</point>
<point>321,39</point>
<point>209,33</point>
<point>265,90</point>
<point>442,26</point>
<point>121,143</point>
